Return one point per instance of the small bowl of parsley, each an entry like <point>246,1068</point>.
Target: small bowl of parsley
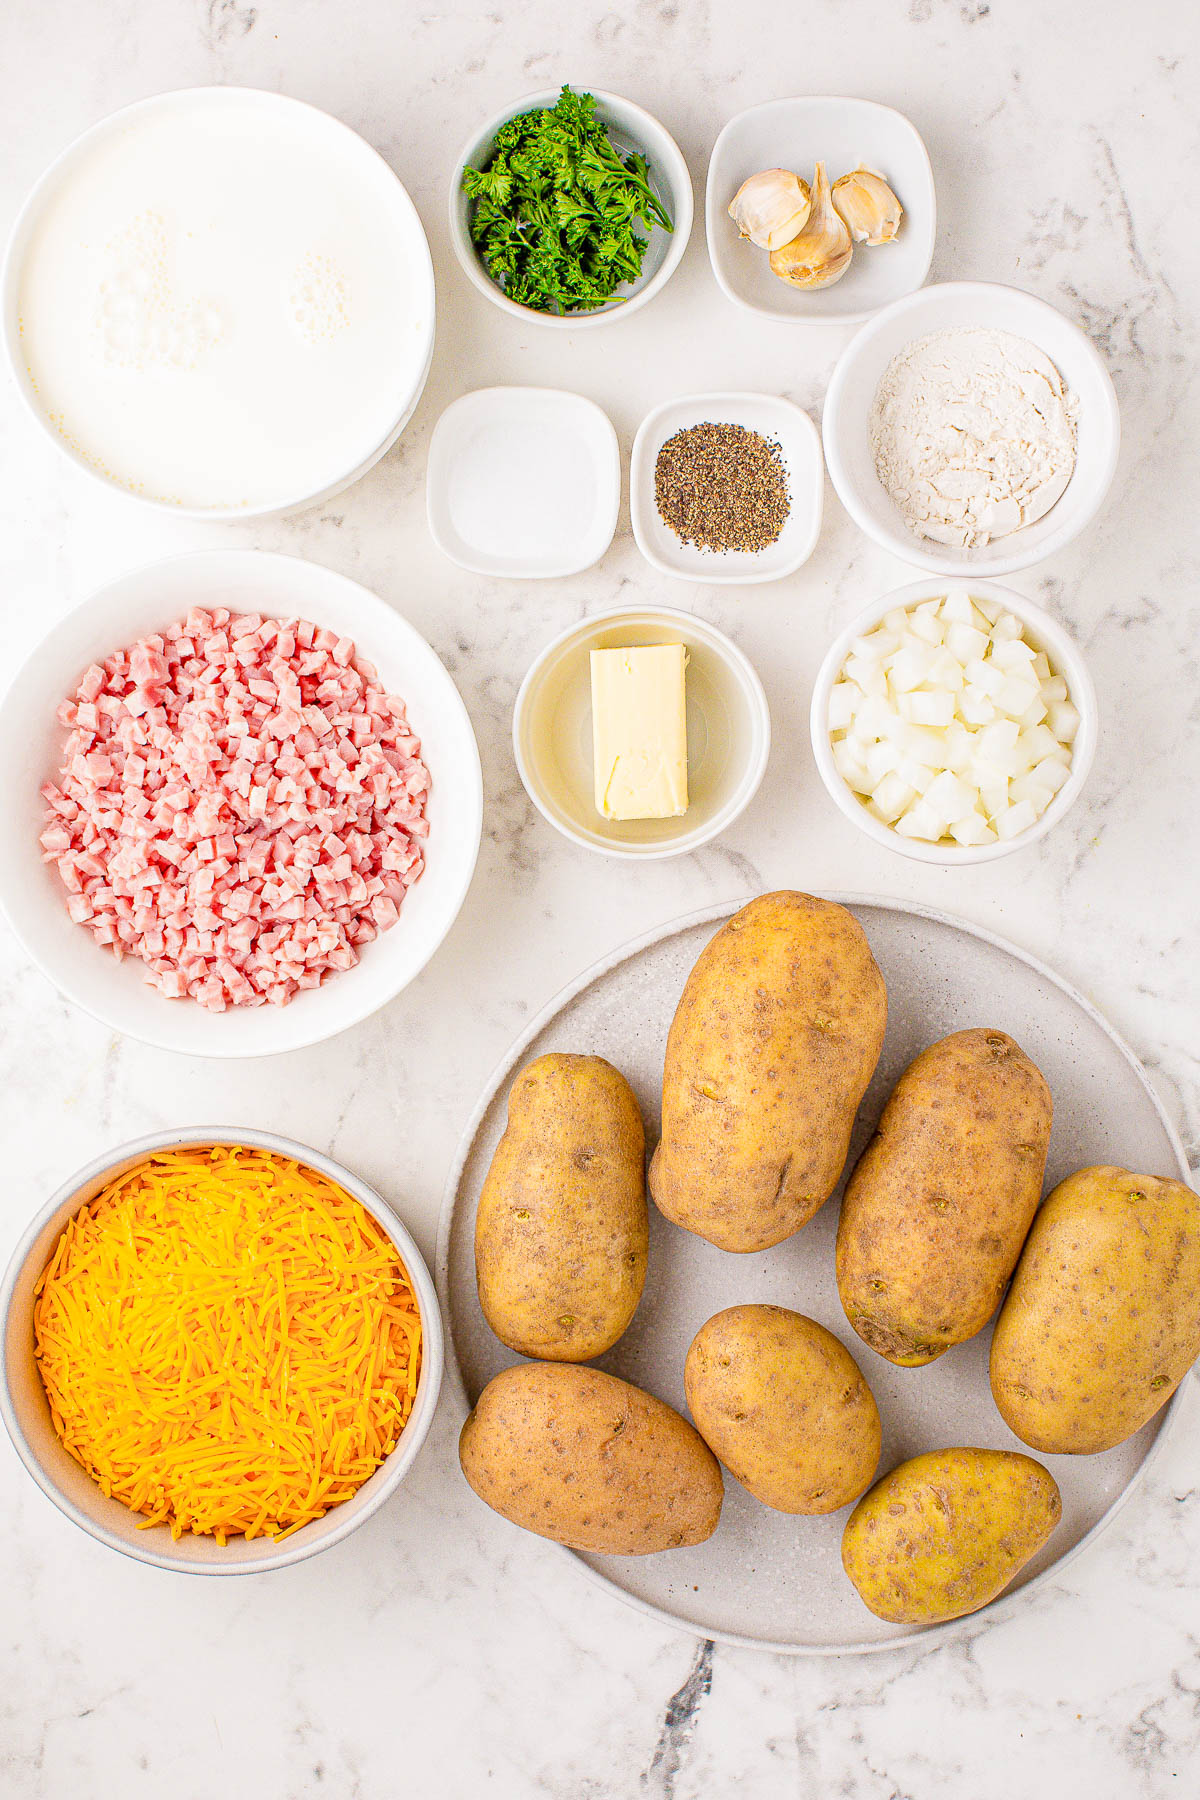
<point>572,208</point>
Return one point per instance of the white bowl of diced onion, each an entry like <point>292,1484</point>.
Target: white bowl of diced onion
<point>954,721</point>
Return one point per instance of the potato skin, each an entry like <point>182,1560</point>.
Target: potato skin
<point>561,1227</point>
<point>772,1046</point>
<point>590,1461</point>
<point>1102,1320</point>
<point>940,1201</point>
<point>784,1406</point>
<point>946,1532</point>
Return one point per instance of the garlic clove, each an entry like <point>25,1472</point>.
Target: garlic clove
<point>771,208</point>
<point>867,206</point>
<point>820,254</point>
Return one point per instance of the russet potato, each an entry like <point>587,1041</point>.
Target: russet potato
<point>784,1406</point>
<point>946,1532</point>
<point>940,1201</point>
<point>590,1461</point>
<point>1102,1320</point>
<point>773,1043</point>
<point>561,1227</point>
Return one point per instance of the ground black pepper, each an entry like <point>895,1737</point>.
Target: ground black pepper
<point>721,487</point>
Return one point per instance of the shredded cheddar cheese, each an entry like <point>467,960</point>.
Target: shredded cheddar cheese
<point>228,1342</point>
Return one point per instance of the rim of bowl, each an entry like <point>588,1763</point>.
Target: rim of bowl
<point>903,544</point>
<point>11,271</point>
<point>1062,650</point>
<point>754,575</point>
<point>569,565</point>
<point>63,626</point>
<point>734,658</point>
<point>395,1467</point>
<point>674,167</point>
<point>849,318</point>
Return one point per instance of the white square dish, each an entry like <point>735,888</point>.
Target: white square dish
<point>800,448</point>
<point>793,134</point>
<point>484,512</point>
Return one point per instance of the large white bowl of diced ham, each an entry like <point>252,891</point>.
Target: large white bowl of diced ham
<point>242,804</point>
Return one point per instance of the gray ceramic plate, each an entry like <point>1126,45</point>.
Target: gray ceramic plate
<point>766,1579</point>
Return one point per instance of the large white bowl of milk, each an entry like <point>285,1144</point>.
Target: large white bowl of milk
<point>220,301</point>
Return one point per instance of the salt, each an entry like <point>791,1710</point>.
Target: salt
<point>523,489</point>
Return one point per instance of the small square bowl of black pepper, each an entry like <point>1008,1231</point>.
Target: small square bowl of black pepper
<point>727,488</point>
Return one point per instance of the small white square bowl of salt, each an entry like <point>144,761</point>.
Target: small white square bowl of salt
<point>523,482</point>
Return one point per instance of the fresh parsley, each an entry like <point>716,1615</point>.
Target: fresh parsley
<point>553,211</point>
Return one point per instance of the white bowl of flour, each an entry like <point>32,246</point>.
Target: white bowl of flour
<point>971,429</point>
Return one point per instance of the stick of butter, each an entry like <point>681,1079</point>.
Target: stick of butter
<point>639,732</point>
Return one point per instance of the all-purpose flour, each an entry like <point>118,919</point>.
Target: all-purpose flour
<point>973,434</point>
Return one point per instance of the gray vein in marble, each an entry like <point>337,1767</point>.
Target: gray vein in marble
<point>679,1725</point>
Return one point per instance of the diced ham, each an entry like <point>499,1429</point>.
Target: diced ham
<point>240,805</point>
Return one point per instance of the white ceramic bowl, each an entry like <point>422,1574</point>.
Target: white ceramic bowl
<point>630,129</point>
<point>1044,633</point>
<point>800,447</point>
<point>728,730</point>
<point>475,457</point>
<point>26,1412</point>
<point>32,897</point>
<point>842,133</point>
<point>377,178</point>
<point>952,306</point>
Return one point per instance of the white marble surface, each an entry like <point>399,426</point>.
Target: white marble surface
<point>438,1653</point>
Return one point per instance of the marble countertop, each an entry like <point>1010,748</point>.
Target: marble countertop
<point>438,1652</point>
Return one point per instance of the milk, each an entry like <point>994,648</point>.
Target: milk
<point>220,303</point>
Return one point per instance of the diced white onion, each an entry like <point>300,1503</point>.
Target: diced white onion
<point>965,642</point>
<point>1015,819</point>
<point>927,708</point>
<point>841,706</point>
<point>974,830</point>
<point>1064,721</point>
<point>948,723</point>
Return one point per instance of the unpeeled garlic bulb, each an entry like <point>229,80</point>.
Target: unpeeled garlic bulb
<point>867,206</point>
<point>820,254</point>
<point>771,208</point>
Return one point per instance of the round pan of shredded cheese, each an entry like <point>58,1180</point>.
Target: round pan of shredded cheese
<point>229,1342</point>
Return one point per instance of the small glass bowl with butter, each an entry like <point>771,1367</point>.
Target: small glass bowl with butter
<point>641,733</point>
